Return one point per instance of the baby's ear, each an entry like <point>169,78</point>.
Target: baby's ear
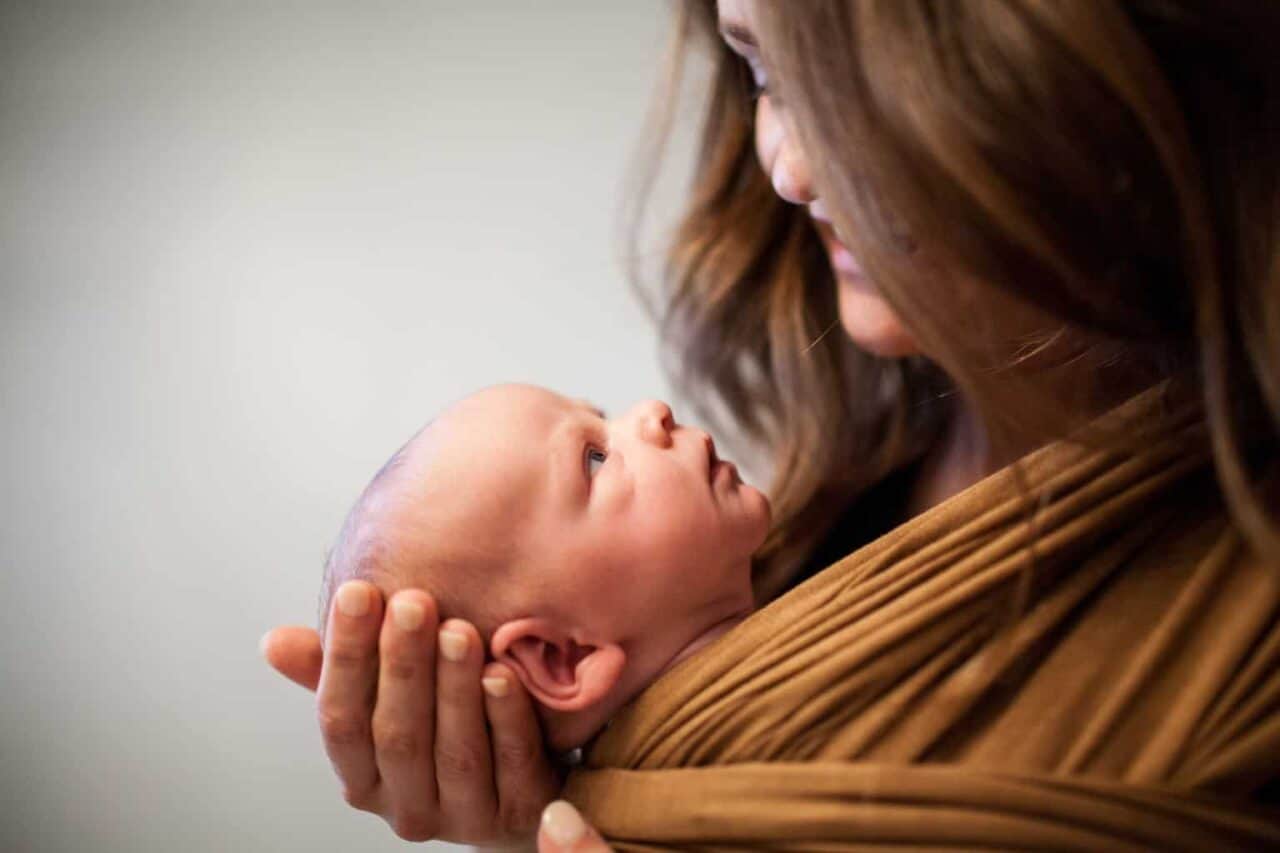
<point>560,672</point>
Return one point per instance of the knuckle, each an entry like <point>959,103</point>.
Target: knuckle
<point>348,657</point>
<point>397,743</point>
<point>414,827</point>
<point>342,729</point>
<point>398,669</point>
<point>457,761</point>
<point>359,798</point>
<point>518,756</point>
<point>518,819</point>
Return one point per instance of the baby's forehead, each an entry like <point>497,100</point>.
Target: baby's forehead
<point>440,511</point>
<point>507,420</point>
<point>483,458</point>
<point>513,399</point>
<point>482,481</point>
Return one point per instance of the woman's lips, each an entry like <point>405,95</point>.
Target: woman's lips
<point>842,260</point>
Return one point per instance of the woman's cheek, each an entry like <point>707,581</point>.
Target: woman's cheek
<point>768,133</point>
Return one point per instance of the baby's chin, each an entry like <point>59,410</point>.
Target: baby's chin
<point>758,513</point>
<point>742,536</point>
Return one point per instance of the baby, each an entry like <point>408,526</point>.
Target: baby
<point>591,554</point>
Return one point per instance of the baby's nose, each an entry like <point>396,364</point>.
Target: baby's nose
<point>655,422</point>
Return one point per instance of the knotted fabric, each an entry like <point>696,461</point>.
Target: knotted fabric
<point>1077,653</point>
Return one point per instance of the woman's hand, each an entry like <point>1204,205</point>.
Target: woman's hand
<point>402,712</point>
<point>564,831</point>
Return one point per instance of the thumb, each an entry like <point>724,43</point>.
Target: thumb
<point>564,831</point>
<point>294,652</point>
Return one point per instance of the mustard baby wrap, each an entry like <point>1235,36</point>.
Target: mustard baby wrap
<point>1087,661</point>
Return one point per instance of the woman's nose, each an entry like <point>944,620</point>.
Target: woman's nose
<point>781,157</point>
<point>791,178</point>
<point>654,422</point>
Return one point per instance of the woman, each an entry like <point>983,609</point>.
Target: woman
<point>1042,210</point>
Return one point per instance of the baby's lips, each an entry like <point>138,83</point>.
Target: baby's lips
<point>712,458</point>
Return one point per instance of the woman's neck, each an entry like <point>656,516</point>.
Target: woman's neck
<point>965,454</point>
<point>959,459</point>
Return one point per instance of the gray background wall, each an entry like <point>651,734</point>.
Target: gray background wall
<point>245,250</point>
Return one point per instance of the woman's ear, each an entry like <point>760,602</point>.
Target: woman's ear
<point>560,672</point>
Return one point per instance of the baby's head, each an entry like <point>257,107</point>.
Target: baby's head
<point>590,553</point>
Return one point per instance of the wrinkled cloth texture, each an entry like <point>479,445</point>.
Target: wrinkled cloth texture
<point>1077,653</point>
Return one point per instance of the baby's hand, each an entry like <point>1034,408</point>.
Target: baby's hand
<point>402,711</point>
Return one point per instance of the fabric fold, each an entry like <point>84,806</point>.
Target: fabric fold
<point>865,806</point>
<point>1078,652</point>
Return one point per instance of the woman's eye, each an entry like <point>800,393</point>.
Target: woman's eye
<point>595,458</point>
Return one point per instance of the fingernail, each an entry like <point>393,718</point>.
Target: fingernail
<point>562,822</point>
<point>408,615</point>
<point>495,686</point>
<point>353,599</point>
<point>453,645</point>
<point>262,644</point>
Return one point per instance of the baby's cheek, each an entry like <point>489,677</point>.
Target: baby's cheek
<point>658,545</point>
<point>690,530</point>
<point>661,506</point>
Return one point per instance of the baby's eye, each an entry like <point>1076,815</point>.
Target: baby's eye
<point>595,458</point>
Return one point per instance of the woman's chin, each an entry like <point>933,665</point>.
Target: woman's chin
<point>871,323</point>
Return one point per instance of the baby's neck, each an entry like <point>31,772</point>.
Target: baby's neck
<point>566,731</point>
<point>703,640</point>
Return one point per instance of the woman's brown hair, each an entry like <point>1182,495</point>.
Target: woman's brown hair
<point>1063,201</point>
<point>748,313</point>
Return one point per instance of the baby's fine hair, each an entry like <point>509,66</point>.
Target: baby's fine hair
<point>460,579</point>
<point>344,560</point>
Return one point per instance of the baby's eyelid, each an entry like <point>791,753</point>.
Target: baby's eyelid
<point>589,454</point>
